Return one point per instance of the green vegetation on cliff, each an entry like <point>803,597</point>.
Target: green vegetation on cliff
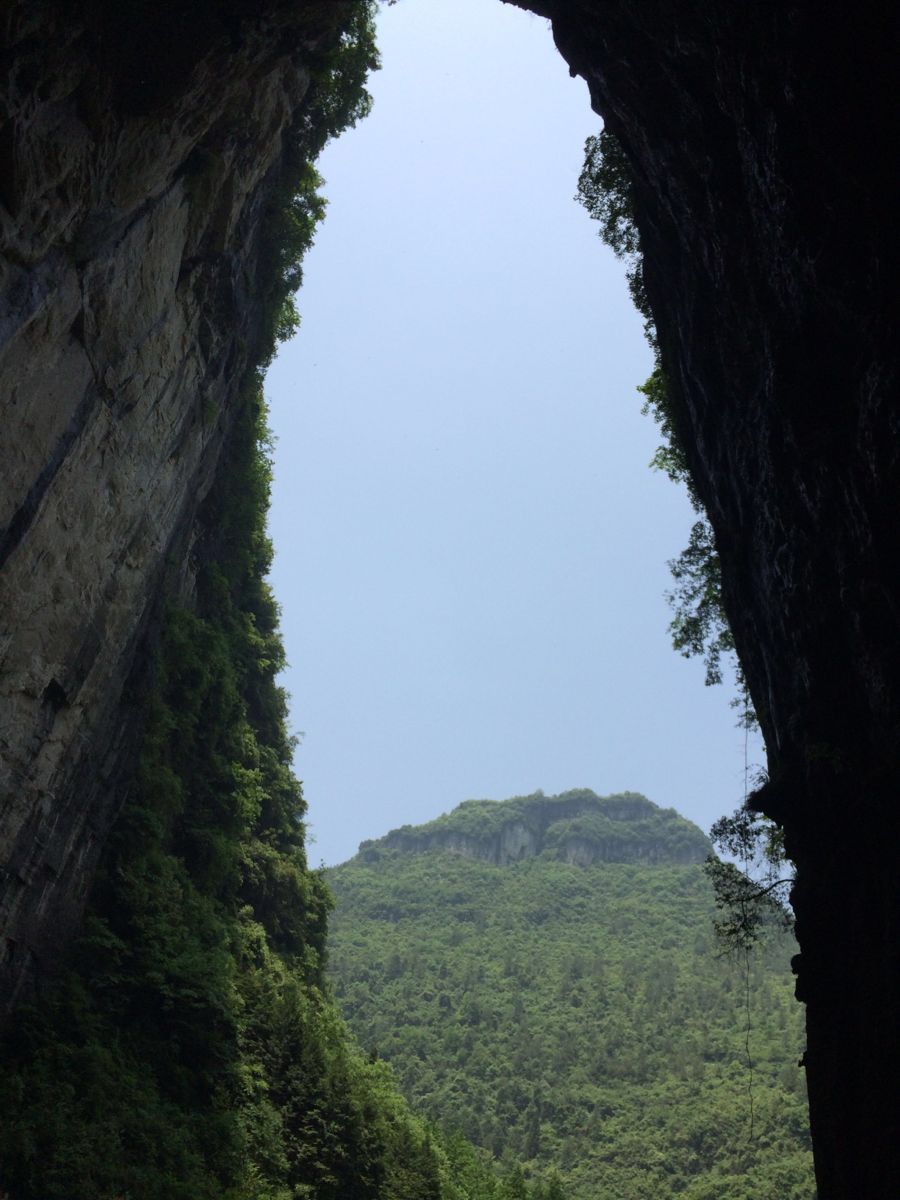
<point>699,625</point>
<point>579,1019</point>
<point>189,1047</point>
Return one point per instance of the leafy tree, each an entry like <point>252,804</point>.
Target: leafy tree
<point>605,189</point>
<point>513,1186</point>
<point>755,897</point>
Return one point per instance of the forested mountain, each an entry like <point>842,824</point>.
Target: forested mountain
<point>580,1018</point>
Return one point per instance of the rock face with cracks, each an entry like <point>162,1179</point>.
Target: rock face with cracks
<point>137,151</point>
<point>137,159</point>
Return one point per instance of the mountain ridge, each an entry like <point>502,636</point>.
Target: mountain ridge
<point>577,826</point>
<point>578,1020</point>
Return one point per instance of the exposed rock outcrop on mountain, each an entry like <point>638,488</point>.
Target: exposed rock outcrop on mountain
<point>577,827</point>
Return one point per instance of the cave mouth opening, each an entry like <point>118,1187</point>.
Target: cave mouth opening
<point>461,402</point>
<point>785,298</point>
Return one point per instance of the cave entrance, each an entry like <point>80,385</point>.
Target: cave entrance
<point>475,606</point>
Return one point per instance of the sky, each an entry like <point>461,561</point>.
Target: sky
<point>471,548</point>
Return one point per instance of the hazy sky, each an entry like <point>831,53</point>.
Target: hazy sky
<point>471,549</point>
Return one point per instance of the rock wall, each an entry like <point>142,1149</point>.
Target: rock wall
<point>762,141</point>
<point>137,150</point>
<point>136,162</point>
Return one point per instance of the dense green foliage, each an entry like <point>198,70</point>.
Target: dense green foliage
<point>190,1049</point>
<point>578,1019</point>
<point>336,100</point>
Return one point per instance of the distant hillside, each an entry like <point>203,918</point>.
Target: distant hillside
<point>541,973</point>
<point>575,827</point>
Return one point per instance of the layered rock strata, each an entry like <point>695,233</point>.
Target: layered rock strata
<point>137,159</point>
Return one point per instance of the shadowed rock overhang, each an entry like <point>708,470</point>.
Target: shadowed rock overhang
<point>761,139</point>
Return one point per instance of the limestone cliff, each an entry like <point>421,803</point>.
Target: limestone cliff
<point>138,148</point>
<point>577,827</point>
<point>139,155</point>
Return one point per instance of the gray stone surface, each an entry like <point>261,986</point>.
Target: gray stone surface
<point>129,231</point>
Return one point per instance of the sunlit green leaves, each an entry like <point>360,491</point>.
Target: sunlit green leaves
<point>605,1040</point>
